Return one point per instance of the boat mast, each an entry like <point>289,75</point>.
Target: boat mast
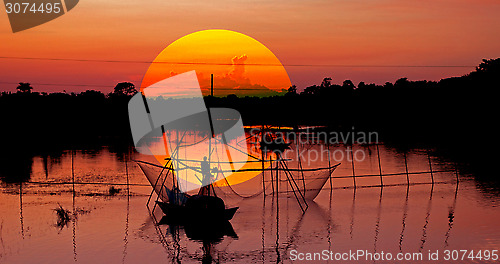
<point>212,133</point>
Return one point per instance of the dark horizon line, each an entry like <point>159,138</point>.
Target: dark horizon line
<point>216,88</point>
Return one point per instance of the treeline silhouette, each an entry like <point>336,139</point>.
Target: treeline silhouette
<point>454,114</point>
<point>458,109</point>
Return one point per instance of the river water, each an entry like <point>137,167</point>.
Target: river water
<point>419,220</point>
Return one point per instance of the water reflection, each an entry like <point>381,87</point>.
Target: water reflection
<point>125,239</point>
<point>451,218</point>
<point>403,224</point>
<point>353,208</point>
<point>427,218</point>
<point>399,218</point>
<point>21,208</point>
<point>377,222</point>
<point>73,194</point>
<point>329,226</point>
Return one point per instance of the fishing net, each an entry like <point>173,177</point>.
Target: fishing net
<point>239,168</point>
<point>284,177</point>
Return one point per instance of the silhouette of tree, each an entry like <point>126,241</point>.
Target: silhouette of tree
<point>311,90</point>
<point>402,82</point>
<point>492,65</point>
<point>445,113</point>
<point>325,86</point>
<point>232,97</point>
<point>347,84</point>
<point>125,88</point>
<point>24,87</point>
<point>92,94</point>
<point>292,91</point>
<point>327,82</point>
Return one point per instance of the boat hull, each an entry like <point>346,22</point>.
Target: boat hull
<point>198,208</point>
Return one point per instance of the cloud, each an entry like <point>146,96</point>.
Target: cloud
<point>238,70</point>
<point>237,82</point>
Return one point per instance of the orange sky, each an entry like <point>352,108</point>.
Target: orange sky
<point>332,32</point>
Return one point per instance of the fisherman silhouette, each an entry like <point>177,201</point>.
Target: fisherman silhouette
<point>207,177</point>
<point>205,171</point>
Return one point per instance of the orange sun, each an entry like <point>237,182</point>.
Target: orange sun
<point>240,64</point>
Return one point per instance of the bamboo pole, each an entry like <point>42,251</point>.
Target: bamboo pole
<point>271,172</point>
<point>263,157</point>
<point>126,172</point>
<point>406,168</point>
<point>352,164</point>
<point>430,167</point>
<point>380,167</point>
<point>329,166</point>
<point>263,178</point>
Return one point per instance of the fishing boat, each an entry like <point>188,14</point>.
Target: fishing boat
<point>264,168</point>
<point>201,157</point>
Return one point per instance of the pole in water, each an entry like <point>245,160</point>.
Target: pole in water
<point>21,207</point>
<point>406,168</point>
<point>126,171</point>
<point>379,167</point>
<point>73,170</point>
<point>430,167</point>
<point>263,176</point>
<point>271,172</point>
<point>263,156</point>
<point>352,164</point>
<point>329,168</point>
<point>277,176</point>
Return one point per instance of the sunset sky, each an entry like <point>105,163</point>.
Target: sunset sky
<point>238,63</point>
<point>312,39</point>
